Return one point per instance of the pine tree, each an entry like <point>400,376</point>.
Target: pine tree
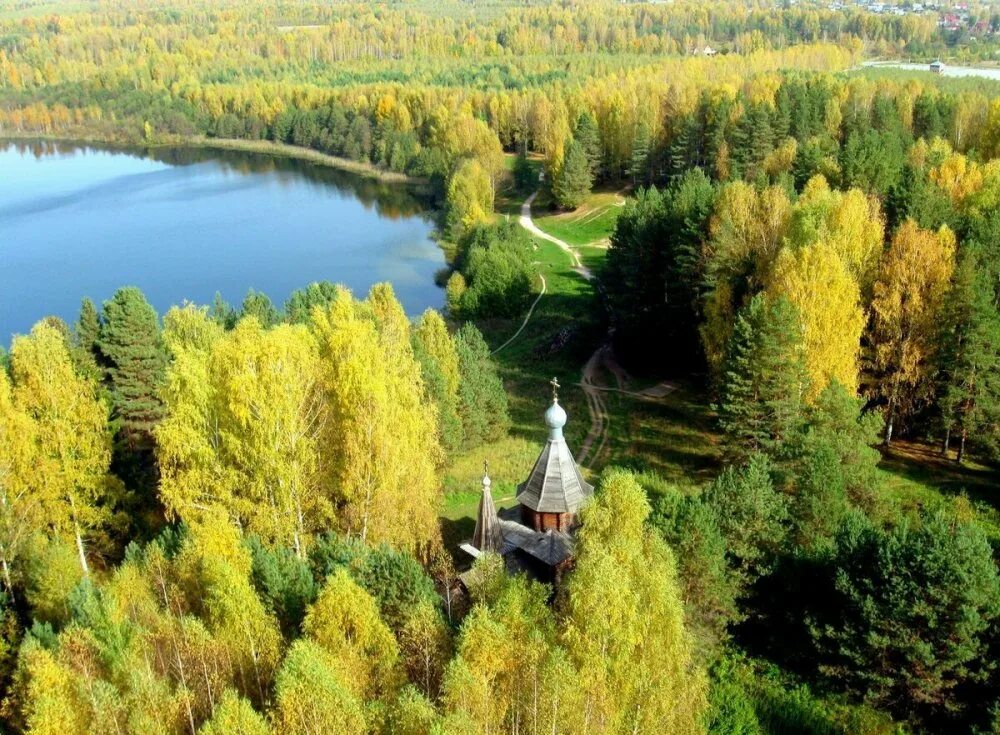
<point>764,381</point>
<point>299,306</point>
<point>573,180</point>
<point>641,149</point>
<point>259,306</point>
<point>86,333</point>
<point>482,399</point>
<point>969,359</point>
<point>586,133</point>
<point>132,349</point>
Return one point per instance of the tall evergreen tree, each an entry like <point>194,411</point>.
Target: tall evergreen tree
<point>482,400</point>
<point>86,333</point>
<point>969,360</point>
<point>573,180</point>
<point>586,133</point>
<point>133,352</point>
<point>764,382</point>
<point>641,149</point>
<point>258,305</point>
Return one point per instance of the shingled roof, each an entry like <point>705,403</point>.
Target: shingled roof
<point>487,536</point>
<point>555,484</point>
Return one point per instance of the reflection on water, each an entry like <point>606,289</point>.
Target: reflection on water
<point>388,200</point>
<point>184,223</point>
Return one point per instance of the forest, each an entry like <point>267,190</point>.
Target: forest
<point>245,518</point>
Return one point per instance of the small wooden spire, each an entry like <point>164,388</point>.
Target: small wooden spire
<point>487,537</point>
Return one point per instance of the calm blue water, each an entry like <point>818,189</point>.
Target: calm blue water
<point>182,224</point>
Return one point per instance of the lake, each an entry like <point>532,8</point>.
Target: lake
<point>183,224</point>
<point>948,71</point>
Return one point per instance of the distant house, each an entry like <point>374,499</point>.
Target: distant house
<point>708,51</point>
<point>937,66</point>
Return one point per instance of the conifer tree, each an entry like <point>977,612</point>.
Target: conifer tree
<point>299,306</point>
<point>572,182</point>
<point>86,333</point>
<point>259,306</point>
<point>764,381</point>
<point>132,349</point>
<point>586,133</point>
<point>639,168</point>
<point>969,357</point>
<point>482,404</point>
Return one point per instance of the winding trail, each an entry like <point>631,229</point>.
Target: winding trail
<point>527,223</point>
<point>526,318</point>
<point>595,443</point>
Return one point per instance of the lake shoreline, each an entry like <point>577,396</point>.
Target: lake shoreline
<point>261,147</point>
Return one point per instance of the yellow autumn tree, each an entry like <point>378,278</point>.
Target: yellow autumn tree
<point>469,199</point>
<point>625,621</point>
<point>909,294</point>
<point>817,281</point>
<point>345,621</point>
<point>244,420</point>
<point>745,234</point>
<point>20,507</point>
<point>70,441</point>
<point>381,433</point>
<point>850,222</point>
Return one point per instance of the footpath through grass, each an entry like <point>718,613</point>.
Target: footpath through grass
<point>672,435</point>
<point>589,224</point>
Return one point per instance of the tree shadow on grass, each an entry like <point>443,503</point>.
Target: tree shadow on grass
<point>923,464</point>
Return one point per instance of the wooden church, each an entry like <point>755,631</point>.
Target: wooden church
<point>536,535</point>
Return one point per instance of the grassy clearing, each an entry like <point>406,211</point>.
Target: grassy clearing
<point>590,223</point>
<point>915,475</point>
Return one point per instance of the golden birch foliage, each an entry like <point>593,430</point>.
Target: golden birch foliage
<point>958,177</point>
<point>382,437</point>
<point>909,295</point>
<point>215,567</point>
<point>20,507</point>
<point>625,621</point>
<point>469,198</point>
<point>432,333</point>
<point>47,693</point>
<point>819,284</point>
<point>72,444</point>
<point>311,697</point>
<point>345,621</point>
<point>745,234</point>
<point>244,417</point>
<point>850,222</point>
<point>509,673</point>
<point>234,715</point>
<point>189,327</point>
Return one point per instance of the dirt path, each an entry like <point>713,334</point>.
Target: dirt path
<point>527,316</point>
<point>595,443</point>
<point>527,223</point>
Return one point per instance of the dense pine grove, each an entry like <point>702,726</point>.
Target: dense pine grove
<point>239,518</point>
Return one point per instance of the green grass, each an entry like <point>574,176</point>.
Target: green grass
<point>916,476</point>
<point>590,223</point>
